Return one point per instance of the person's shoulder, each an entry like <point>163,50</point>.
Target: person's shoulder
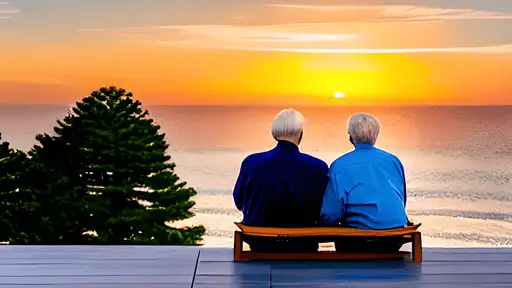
<point>312,160</point>
<point>343,161</point>
<point>388,155</point>
<point>254,158</point>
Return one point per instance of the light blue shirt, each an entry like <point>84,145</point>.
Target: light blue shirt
<point>366,190</point>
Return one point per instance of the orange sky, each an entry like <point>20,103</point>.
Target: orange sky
<point>377,55</point>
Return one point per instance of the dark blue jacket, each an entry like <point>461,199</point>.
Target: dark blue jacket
<point>281,187</point>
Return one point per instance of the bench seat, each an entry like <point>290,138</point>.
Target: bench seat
<point>410,234</point>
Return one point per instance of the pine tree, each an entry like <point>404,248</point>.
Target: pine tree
<point>12,166</point>
<point>53,200</point>
<point>113,158</point>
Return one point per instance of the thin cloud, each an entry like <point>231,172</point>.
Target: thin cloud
<point>226,35</point>
<point>328,7</point>
<point>116,29</point>
<point>391,13</point>
<point>499,49</point>
<point>9,11</point>
<point>329,37</point>
<point>6,11</point>
<point>279,38</point>
<point>299,37</point>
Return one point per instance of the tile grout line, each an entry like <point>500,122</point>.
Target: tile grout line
<point>270,275</point>
<point>195,269</point>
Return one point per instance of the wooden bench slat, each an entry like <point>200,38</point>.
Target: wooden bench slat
<point>322,231</point>
<point>322,255</point>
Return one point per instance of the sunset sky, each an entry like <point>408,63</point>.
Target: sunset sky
<point>256,52</point>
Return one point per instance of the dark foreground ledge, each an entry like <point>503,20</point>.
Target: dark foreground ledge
<point>179,266</point>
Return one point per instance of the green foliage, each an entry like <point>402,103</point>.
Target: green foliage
<point>12,166</point>
<point>104,170</point>
<point>52,200</point>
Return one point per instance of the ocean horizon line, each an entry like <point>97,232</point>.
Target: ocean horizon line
<point>276,106</point>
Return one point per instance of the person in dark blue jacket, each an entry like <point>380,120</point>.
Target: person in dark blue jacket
<point>282,187</point>
<point>367,189</point>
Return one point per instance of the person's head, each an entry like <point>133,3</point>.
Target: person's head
<point>288,125</point>
<point>363,129</point>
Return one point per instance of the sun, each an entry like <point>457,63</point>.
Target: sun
<point>339,95</point>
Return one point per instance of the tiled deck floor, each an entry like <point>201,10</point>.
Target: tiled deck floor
<point>202,267</point>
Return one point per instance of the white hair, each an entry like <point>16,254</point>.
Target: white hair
<point>363,128</point>
<point>287,123</point>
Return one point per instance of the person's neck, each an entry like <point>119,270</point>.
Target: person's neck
<point>359,146</point>
<point>290,139</point>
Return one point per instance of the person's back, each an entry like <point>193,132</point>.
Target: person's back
<point>366,190</point>
<point>367,187</point>
<point>281,187</point>
<point>372,185</point>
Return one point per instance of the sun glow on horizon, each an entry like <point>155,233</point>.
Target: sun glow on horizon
<point>339,95</point>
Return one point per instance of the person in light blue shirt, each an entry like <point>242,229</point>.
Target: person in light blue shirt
<point>366,189</point>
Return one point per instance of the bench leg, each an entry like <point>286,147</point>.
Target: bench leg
<point>417,250</point>
<point>238,247</point>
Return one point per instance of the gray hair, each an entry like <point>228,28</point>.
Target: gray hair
<point>287,123</point>
<point>363,128</point>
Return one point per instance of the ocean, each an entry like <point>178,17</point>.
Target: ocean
<point>458,160</point>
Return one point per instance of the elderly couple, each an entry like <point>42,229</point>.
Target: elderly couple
<point>283,187</point>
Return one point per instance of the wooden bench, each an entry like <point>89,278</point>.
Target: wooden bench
<point>410,234</point>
